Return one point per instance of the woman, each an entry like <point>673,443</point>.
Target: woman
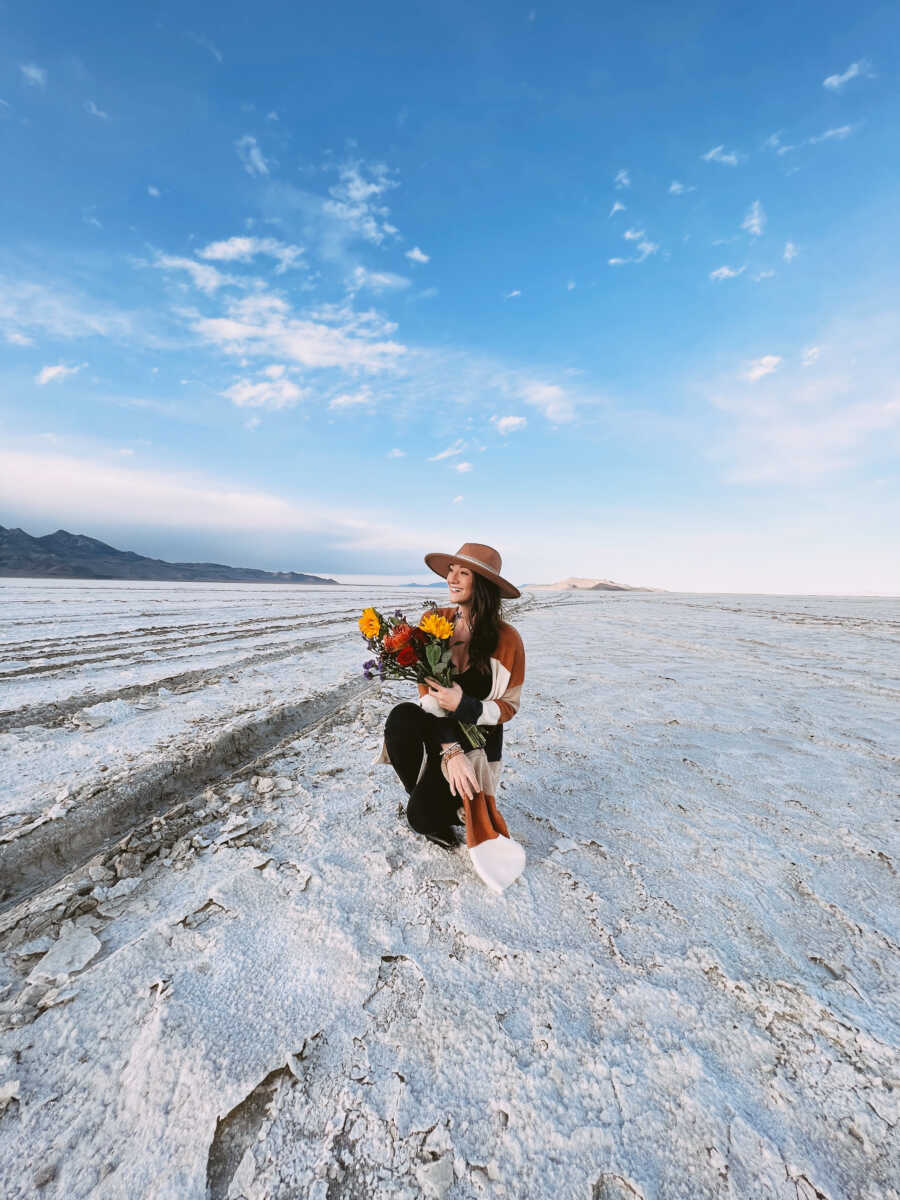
<point>423,742</point>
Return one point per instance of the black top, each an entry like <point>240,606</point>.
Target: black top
<point>475,685</point>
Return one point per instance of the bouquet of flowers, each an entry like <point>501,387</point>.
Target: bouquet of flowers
<point>405,651</point>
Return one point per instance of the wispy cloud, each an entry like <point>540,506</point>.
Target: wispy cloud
<point>243,249</point>
<point>755,220</point>
<point>727,272</point>
<point>28,308</point>
<point>418,256</point>
<point>152,191</point>
<point>352,399</point>
<point>718,154</point>
<point>512,295</point>
<point>269,393</point>
<point>356,199</point>
<point>207,45</point>
<point>396,453</point>
<point>456,499</point>
<point>34,75</point>
<point>91,107</point>
<point>798,425</point>
<point>634,235</point>
<point>790,252</point>
<point>622,178</point>
<point>376,281</point>
<point>838,134</point>
<point>761,275</point>
<point>251,156</point>
<point>810,355</point>
<point>617,207</point>
<point>457,448</point>
<point>550,398</point>
<point>462,467</point>
<point>679,189</point>
<point>618,262</point>
<point>761,367</point>
<point>509,424</point>
<point>207,279</point>
<point>856,70</point>
<point>570,286</point>
<point>265,325</point>
<point>57,374</point>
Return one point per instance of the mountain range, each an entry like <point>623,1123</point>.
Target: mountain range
<point>64,555</point>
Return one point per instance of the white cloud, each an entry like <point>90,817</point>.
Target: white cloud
<point>726,272</point>
<point>633,235</point>
<point>27,307</point>
<point>797,425</point>
<point>622,179</point>
<point>253,423</point>
<point>645,249</point>
<point>264,325</point>
<point>463,467</point>
<point>18,339</point>
<point>617,207</point>
<point>509,424</point>
<point>243,249</point>
<point>718,154</point>
<point>761,367</point>
<point>417,255</point>
<point>856,69</point>
<point>755,220</point>
<point>251,156</point>
<point>57,373</point>
<point>376,281</point>
<point>206,278</point>
<point>618,262</point>
<point>151,190</point>
<point>269,393</point>
<point>810,355</point>
<point>355,200</point>
<point>35,76</point>
<point>838,134</point>
<point>91,107</point>
<point>570,286</point>
<point>457,448</point>
<point>679,189</point>
<point>790,252</point>
<point>761,275</point>
<point>512,295</point>
<point>207,45</point>
<point>352,399</point>
<point>550,399</point>
<point>396,453</point>
<point>272,116</point>
<point>456,499</point>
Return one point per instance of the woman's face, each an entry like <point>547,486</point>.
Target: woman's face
<point>460,583</point>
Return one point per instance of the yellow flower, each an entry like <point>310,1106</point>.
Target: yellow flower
<point>369,623</point>
<point>439,626</point>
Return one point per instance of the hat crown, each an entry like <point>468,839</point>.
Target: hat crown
<point>477,552</point>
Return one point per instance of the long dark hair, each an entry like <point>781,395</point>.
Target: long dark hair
<point>485,615</point>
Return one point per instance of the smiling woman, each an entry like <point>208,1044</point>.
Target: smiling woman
<point>423,741</point>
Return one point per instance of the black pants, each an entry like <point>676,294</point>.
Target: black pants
<point>407,732</point>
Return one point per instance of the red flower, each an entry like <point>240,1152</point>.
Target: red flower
<point>407,656</point>
<point>398,637</point>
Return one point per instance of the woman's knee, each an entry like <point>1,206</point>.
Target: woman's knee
<point>405,715</point>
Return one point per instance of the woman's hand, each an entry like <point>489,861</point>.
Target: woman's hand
<point>463,780</point>
<point>447,697</point>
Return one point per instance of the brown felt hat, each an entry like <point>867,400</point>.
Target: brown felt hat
<point>485,560</point>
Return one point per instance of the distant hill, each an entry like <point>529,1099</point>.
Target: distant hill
<point>588,585</point>
<point>64,555</point>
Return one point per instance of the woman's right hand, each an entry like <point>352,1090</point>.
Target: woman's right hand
<point>461,773</point>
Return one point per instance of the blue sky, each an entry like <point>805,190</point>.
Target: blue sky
<point>611,288</point>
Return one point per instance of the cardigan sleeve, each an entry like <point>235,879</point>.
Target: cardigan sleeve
<point>508,670</point>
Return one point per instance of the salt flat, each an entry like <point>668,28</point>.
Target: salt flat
<point>268,986</point>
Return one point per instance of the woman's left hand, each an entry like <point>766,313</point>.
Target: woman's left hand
<point>447,697</point>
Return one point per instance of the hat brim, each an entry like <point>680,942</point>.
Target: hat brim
<point>440,564</point>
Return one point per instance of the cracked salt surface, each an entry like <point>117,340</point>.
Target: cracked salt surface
<point>276,989</point>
